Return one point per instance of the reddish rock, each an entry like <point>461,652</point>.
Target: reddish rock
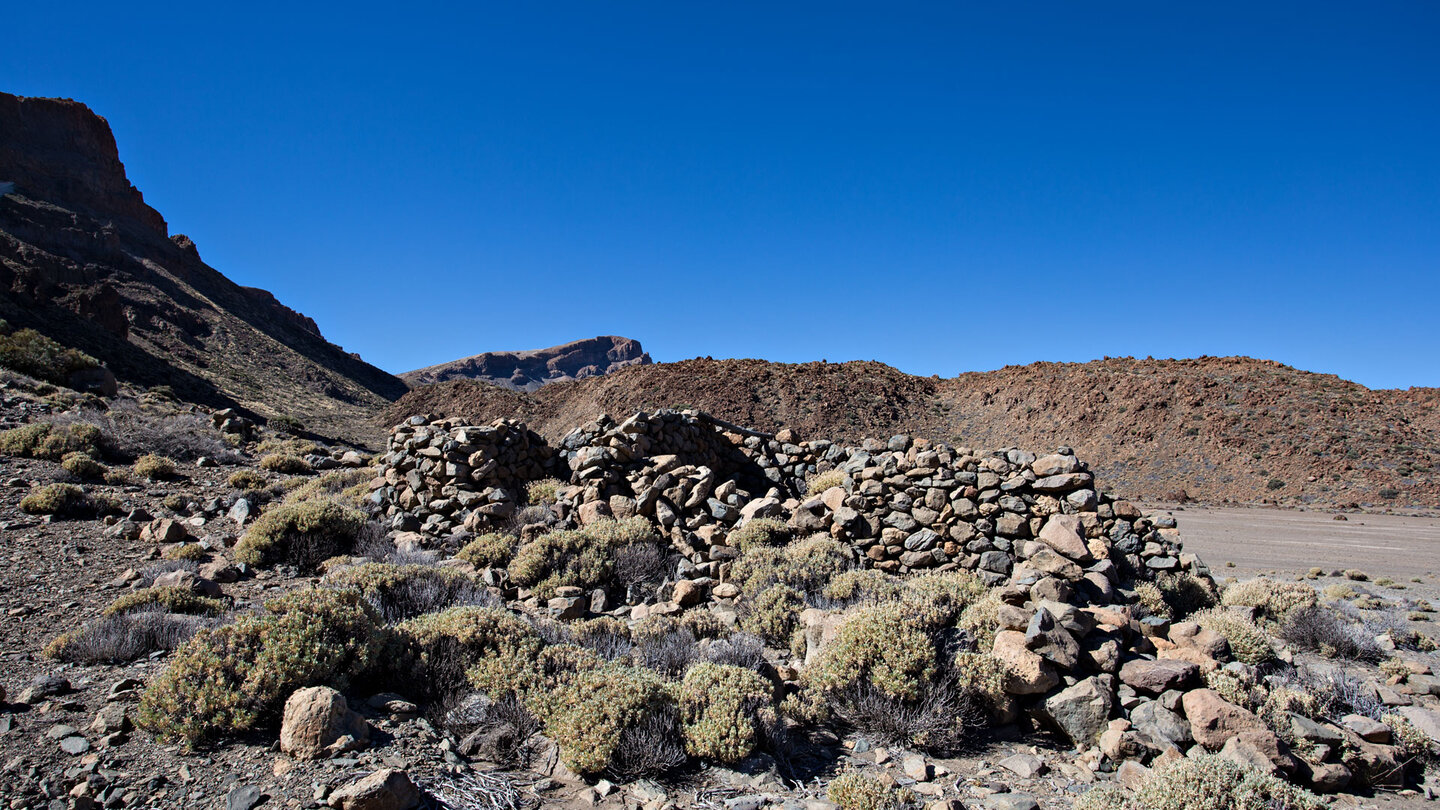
<point>1159,675</point>
<point>1213,721</point>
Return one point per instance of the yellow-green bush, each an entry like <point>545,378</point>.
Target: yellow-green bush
<point>172,599</point>
<point>1184,593</point>
<point>718,704</point>
<point>760,532</point>
<point>288,447</point>
<point>937,600</point>
<point>703,624</point>
<point>285,464</point>
<point>51,442</point>
<point>349,486</point>
<point>806,566</point>
<point>1273,599</point>
<point>880,646</point>
<point>1149,597</point>
<point>774,613</point>
<point>491,550</point>
<point>302,534</point>
<point>153,467</point>
<point>981,620</point>
<point>29,352</point>
<point>401,592</point>
<point>1248,643</point>
<point>236,677</point>
<point>855,791</point>
<point>543,491</point>
<point>864,585</point>
<point>63,500</point>
<point>1205,782</point>
<point>581,557</point>
<point>491,647</point>
<point>587,712</point>
<point>247,481</point>
<point>83,466</point>
<point>184,551</point>
<point>820,482</point>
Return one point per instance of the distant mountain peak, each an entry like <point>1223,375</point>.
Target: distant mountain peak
<point>528,370</point>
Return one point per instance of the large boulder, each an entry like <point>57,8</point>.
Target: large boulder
<point>318,722</point>
<point>385,789</point>
<point>1159,675</point>
<point>1026,672</point>
<point>1082,711</point>
<point>1066,534</point>
<point>1213,720</point>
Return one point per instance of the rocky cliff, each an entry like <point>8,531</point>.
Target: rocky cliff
<point>85,261</point>
<point>528,370</point>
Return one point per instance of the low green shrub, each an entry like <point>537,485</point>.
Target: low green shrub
<point>43,440</point>
<point>172,599</point>
<point>83,466</point>
<point>184,551</point>
<point>349,486</point>
<point>236,677</point>
<point>544,491</point>
<point>302,534</point>
<point>937,600</point>
<point>490,550</point>
<point>1273,599</point>
<point>881,646</point>
<point>864,586</point>
<point>822,481</point>
<point>29,352</point>
<point>400,592</point>
<point>1204,782</point>
<point>488,647</point>
<point>774,614</point>
<point>64,500</point>
<point>760,532</point>
<point>247,481</point>
<point>1248,643</point>
<point>285,464</point>
<point>718,707</point>
<point>855,791</point>
<point>808,565</point>
<point>580,557</point>
<point>154,467</point>
<point>611,719</point>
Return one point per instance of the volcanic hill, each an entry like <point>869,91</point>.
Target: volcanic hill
<point>528,370</point>
<point>86,262</point>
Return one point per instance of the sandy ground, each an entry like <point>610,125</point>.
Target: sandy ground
<point>1259,540</point>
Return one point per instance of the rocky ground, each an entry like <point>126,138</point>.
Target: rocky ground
<point>68,738</point>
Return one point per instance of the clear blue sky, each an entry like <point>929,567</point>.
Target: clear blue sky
<point>940,186</point>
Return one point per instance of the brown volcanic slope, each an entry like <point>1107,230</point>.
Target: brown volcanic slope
<point>528,370</point>
<point>1216,428</point>
<point>84,260</point>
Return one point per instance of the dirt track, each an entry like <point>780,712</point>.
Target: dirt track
<point>1259,540</point>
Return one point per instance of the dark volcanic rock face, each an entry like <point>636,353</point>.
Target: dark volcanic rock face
<point>527,371</point>
<point>85,261</point>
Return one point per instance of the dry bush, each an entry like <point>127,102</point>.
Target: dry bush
<point>348,486</point>
<point>173,599</point>
<point>1315,627</point>
<point>584,557</point>
<point>605,636</point>
<point>642,563</point>
<point>611,719</point>
<point>83,467</point>
<point>542,492</point>
<point>1248,643</point>
<point>760,532</point>
<point>302,534</point>
<point>52,442</point>
<point>1185,594</point>
<point>400,592</point>
<point>1273,599</point>
<point>285,464</point>
<point>773,614</point>
<point>855,791</point>
<point>864,586</point>
<point>738,649</point>
<point>154,467</point>
<point>1204,782</point>
<point>438,653</point>
<point>663,645</point>
<point>65,500</point>
<point>820,482</point>
<point>131,431</point>
<point>125,637</point>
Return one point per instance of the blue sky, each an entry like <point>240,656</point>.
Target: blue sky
<point>943,187</point>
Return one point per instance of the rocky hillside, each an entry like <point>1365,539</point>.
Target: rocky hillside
<point>85,261</point>
<point>1211,429</point>
<point>528,370</point>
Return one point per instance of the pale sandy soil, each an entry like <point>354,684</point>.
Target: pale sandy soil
<point>1259,540</point>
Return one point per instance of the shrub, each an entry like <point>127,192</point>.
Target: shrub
<point>1207,782</point>
<point>400,592</point>
<point>937,600</point>
<point>154,467</point>
<point>51,442</point>
<point>863,586</point>
<point>641,563</point>
<point>233,678</point>
<point>301,534</point>
<point>1313,627</point>
<point>760,532</point>
<point>1389,493</point>
<point>173,599</point>
<point>774,614</point>
<point>29,352</point>
<point>184,551</point>
<point>490,647</point>
<point>83,466</point>
<point>806,566</point>
<point>1184,593</point>
<point>737,649</point>
<point>855,791</point>
<point>1248,642</point>
<point>590,713</point>
<point>718,706</point>
<point>1274,484</point>
<point>124,637</point>
<point>584,558</point>
<point>605,636</point>
<point>703,624</point>
<point>1356,575</point>
<point>1273,599</point>
<point>880,646</point>
<point>1149,597</point>
<point>546,490</point>
<point>1339,591</point>
<point>663,645</point>
<point>981,620</point>
<point>132,431</point>
<point>247,481</point>
<point>285,423</point>
<point>63,500</point>
<point>288,447</point>
<point>348,486</point>
<point>285,464</point>
<point>491,550</point>
<point>822,481</point>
